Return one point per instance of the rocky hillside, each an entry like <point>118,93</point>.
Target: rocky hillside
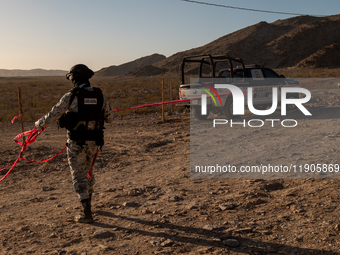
<point>127,67</point>
<point>302,41</point>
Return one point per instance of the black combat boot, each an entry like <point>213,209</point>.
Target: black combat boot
<point>90,198</point>
<point>86,217</point>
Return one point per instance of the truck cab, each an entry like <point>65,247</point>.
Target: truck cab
<point>212,70</point>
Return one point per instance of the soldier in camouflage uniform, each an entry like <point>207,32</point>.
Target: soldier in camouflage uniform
<point>82,111</point>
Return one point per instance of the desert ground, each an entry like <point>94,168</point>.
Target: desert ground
<point>145,201</point>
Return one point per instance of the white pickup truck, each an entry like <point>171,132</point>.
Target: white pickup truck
<point>219,100</point>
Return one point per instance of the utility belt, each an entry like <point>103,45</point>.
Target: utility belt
<point>81,135</point>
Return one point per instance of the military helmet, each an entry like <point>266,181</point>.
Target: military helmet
<point>79,71</point>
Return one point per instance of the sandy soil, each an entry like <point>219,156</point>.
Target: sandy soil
<point>146,203</point>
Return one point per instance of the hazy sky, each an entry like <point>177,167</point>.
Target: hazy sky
<point>58,34</point>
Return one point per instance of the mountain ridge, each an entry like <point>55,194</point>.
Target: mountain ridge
<point>129,66</point>
<point>303,41</point>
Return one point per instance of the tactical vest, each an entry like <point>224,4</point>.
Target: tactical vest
<point>90,105</point>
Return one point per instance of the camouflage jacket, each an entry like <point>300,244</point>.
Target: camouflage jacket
<point>64,106</point>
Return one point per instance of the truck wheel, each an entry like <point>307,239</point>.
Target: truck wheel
<point>228,110</point>
<point>291,107</point>
<point>196,111</point>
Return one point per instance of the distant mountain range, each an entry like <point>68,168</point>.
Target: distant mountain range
<point>298,42</point>
<point>122,69</point>
<point>33,72</point>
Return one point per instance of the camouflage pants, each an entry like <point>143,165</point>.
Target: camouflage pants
<point>80,159</point>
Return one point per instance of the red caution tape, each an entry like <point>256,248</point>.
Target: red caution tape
<point>14,163</point>
<point>18,116</point>
<point>45,160</point>
<point>31,137</point>
<point>89,174</point>
<point>6,166</point>
<point>154,104</point>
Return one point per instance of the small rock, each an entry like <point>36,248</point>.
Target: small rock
<point>135,192</point>
<point>67,244</point>
<point>167,243</point>
<point>210,227</point>
<point>224,207</point>
<point>299,238</point>
<point>259,201</point>
<point>53,235</point>
<point>244,230</point>
<point>76,240</point>
<point>195,205</point>
<point>45,188</point>
<point>130,204</point>
<point>132,193</point>
<point>231,242</point>
<point>192,205</point>
<point>173,198</point>
<point>145,211</point>
<point>24,228</point>
<point>225,236</point>
<point>182,213</point>
<point>45,223</point>
<point>101,234</point>
<point>155,190</point>
<point>153,243</point>
<point>103,247</point>
<point>36,199</point>
<point>216,238</point>
<point>273,186</point>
